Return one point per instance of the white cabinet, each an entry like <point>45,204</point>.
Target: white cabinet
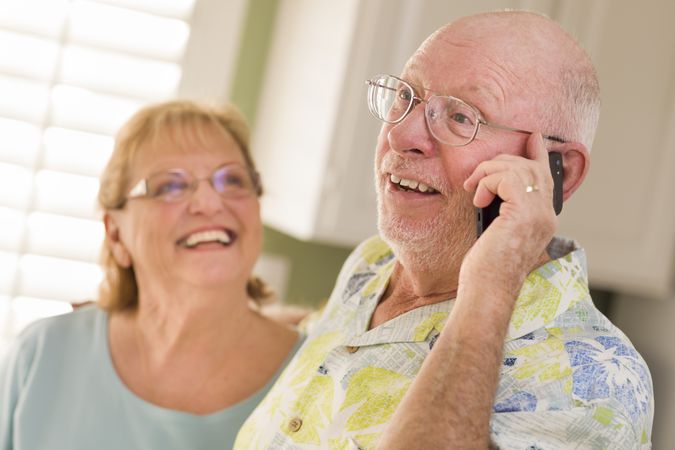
<point>315,139</point>
<point>623,214</point>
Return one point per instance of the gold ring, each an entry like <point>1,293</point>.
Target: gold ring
<point>531,188</point>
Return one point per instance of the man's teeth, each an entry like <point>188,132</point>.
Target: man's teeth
<point>207,236</point>
<point>411,184</point>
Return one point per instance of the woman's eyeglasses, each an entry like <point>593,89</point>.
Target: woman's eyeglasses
<point>230,180</point>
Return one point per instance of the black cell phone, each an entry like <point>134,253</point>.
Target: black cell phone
<point>485,216</point>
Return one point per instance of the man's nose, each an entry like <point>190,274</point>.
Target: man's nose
<point>411,136</point>
<point>205,199</point>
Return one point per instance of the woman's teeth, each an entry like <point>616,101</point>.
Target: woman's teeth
<point>220,236</point>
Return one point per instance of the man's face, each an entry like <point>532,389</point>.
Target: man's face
<point>478,73</point>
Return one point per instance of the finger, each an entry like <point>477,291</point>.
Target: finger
<point>484,169</point>
<point>503,184</point>
<point>485,191</point>
<point>524,168</point>
<point>507,157</point>
<point>536,149</point>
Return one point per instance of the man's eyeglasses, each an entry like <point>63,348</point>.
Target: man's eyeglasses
<point>230,180</point>
<point>449,119</point>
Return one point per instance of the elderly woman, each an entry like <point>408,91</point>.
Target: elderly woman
<point>175,355</point>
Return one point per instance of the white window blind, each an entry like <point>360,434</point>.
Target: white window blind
<point>71,72</point>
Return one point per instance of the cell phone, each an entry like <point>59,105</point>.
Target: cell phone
<point>485,216</point>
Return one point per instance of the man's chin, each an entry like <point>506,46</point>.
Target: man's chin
<point>402,233</point>
<point>431,239</point>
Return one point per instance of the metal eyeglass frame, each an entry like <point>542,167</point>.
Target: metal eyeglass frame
<point>415,100</point>
<point>140,189</point>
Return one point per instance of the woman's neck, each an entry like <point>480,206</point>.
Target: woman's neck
<point>191,352</point>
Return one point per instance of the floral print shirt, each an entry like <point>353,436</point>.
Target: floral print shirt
<point>569,379</point>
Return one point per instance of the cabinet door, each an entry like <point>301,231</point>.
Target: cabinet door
<point>623,213</point>
<point>313,139</point>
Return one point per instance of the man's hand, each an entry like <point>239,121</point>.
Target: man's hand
<point>515,243</point>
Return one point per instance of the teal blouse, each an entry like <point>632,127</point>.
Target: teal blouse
<point>59,390</point>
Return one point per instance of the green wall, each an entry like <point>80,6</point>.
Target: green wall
<point>314,267</point>
<point>250,66</point>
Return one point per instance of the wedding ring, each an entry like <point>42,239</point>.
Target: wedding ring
<point>531,188</point>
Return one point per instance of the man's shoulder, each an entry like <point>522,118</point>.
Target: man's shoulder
<point>361,278</point>
<point>581,336</point>
<point>580,362</point>
<point>370,258</point>
<point>369,254</point>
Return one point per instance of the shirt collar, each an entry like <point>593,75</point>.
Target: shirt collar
<point>547,292</point>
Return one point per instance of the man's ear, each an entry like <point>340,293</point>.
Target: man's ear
<point>576,162</point>
<point>114,241</point>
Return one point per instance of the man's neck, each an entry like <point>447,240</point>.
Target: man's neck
<point>412,286</point>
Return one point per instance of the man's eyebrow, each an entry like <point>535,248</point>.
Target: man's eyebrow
<point>478,96</point>
<point>483,92</point>
<point>482,97</point>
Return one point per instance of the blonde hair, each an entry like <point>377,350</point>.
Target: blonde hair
<point>119,289</point>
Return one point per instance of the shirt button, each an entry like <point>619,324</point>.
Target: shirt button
<point>294,424</point>
<point>352,348</point>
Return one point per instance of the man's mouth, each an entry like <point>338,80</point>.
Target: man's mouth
<point>220,237</point>
<point>407,185</point>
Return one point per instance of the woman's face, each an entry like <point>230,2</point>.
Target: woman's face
<point>186,241</point>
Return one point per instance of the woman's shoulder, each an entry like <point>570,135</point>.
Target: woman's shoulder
<point>55,330</point>
<point>50,343</point>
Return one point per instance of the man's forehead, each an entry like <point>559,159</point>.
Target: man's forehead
<point>489,56</point>
<point>425,73</point>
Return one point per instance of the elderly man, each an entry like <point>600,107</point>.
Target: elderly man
<point>433,338</point>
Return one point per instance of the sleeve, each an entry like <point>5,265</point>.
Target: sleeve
<point>9,393</point>
<point>7,400</point>
<point>597,394</point>
<point>14,369</point>
<point>579,428</point>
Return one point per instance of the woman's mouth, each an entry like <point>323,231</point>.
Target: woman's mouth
<point>223,237</point>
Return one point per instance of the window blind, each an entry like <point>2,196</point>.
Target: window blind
<point>71,72</point>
